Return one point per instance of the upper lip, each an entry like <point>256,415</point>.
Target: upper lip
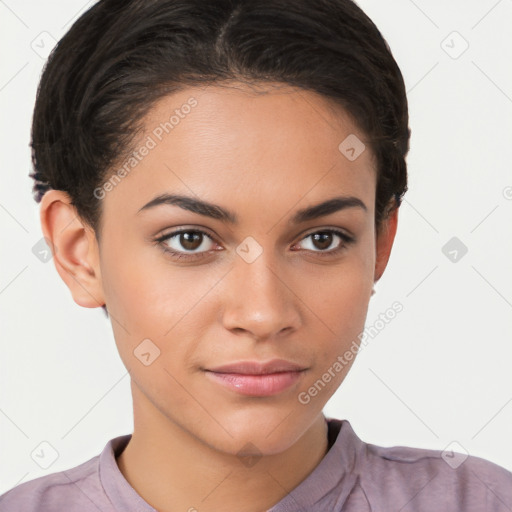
<point>258,368</point>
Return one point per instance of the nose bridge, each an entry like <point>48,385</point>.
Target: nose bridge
<point>263,280</point>
<point>259,299</point>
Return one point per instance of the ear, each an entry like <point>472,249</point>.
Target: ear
<point>384,242</point>
<point>74,247</point>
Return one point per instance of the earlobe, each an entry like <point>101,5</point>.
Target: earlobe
<point>74,248</point>
<point>384,242</point>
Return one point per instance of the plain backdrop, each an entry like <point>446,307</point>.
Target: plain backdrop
<point>437,374</point>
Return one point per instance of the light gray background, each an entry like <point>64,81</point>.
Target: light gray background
<point>438,373</point>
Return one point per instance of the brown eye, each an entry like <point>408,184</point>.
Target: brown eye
<point>321,241</point>
<point>189,240</point>
<point>185,243</point>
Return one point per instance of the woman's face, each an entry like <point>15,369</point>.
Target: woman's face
<point>264,281</point>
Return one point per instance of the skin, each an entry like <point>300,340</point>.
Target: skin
<point>263,157</point>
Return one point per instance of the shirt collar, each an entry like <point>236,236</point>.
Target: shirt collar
<point>337,468</point>
<point>122,495</point>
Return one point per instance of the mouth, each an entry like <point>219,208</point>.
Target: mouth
<point>253,378</point>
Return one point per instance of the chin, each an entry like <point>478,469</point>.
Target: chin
<point>265,434</point>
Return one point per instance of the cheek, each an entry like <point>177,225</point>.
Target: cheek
<point>150,298</point>
<point>139,283</point>
<point>136,296</point>
<point>341,300</point>
<point>344,290</point>
<point>342,313</point>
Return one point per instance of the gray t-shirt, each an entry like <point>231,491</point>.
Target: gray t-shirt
<point>353,476</point>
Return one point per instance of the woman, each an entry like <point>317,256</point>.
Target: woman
<point>224,179</point>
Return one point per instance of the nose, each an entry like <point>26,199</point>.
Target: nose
<point>259,299</point>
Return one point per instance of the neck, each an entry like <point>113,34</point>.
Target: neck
<point>174,471</point>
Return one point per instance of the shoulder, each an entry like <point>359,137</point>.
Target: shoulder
<point>79,486</point>
<point>416,479</point>
<point>432,479</point>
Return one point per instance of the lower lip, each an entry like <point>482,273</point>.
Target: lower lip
<point>256,385</point>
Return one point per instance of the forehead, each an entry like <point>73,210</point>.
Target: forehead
<point>223,142</point>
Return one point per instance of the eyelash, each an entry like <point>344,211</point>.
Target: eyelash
<point>347,240</point>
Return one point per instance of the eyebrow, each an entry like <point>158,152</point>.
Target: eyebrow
<point>217,212</point>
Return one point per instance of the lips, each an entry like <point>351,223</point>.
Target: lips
<point>258,368</point>
<point>257,379</point>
